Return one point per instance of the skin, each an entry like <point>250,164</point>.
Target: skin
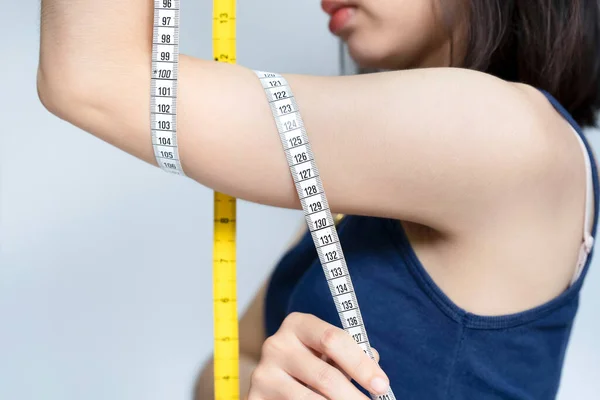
<point>487,179</point>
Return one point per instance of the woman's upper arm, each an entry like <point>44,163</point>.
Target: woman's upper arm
<point>435,146</point>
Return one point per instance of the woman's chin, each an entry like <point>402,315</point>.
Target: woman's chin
<point>367,57</point>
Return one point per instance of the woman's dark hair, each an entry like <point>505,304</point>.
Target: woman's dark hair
<point>552,45</point>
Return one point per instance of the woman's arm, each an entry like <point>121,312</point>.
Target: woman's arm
<point>439,146</point>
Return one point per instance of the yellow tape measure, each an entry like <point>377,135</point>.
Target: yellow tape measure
<point>226,345</point>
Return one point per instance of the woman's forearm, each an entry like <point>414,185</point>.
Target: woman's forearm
<point>94,68</point>
<point>81,39</point>
<point>89,49</point>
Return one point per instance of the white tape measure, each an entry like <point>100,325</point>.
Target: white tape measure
<point>317,214</point>
<point>163,95</point>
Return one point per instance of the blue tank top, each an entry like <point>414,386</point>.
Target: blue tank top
<point>431,348</point>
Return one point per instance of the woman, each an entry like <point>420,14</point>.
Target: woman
<point>468,185</point>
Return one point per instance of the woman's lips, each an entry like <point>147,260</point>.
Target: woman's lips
<point>340,11</point>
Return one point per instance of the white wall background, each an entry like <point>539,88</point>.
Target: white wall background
<point>97,303</point>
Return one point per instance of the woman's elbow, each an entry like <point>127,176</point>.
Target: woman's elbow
<point>58,92</point>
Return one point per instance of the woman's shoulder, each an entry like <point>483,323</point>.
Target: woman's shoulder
<point>558,142</point>
<point>524,252</point>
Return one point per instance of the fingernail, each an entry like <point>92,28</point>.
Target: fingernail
<point>379,385</point>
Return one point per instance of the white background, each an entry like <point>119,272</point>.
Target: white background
<point>100,298</point>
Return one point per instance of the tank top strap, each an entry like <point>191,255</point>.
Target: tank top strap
<point>591,206</point>
<point>588,237</point>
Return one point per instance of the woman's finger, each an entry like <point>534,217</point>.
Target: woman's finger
<point>334,364</point>
<point>321,376</point>
<point>341,348</point>
<point>275,384</point>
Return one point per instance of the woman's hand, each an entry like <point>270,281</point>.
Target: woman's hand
<point>311,359</point>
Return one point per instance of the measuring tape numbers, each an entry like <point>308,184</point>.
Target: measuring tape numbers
<point>317,214</point>
<point>163,86</point>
